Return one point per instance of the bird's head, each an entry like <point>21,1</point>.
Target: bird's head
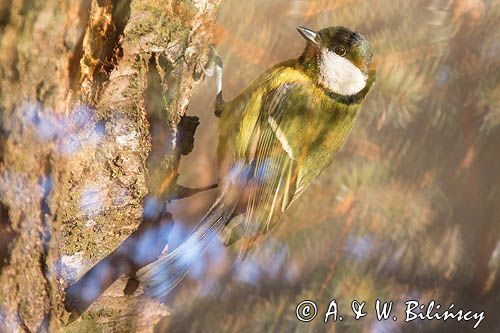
<point>342,59</point>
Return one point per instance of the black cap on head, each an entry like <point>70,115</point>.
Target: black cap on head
<point>357,47</point>
<point>343,41</point>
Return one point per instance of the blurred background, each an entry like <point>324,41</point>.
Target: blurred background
<point>410,209</point>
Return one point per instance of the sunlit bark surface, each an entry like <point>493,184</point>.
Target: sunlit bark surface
<point>80,84</point>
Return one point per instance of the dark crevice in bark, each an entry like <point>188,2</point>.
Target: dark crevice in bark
<point>112,50</point>
<point>74,63</point>
<point>4,13</point>
<point>121,14</point>
<point>154,102</point>
<point>7,235</point>
<point>22,323</point>
<point>45,182</point>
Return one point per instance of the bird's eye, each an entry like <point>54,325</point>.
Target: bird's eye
<point>340,50</point>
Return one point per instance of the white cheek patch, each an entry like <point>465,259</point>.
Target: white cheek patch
<point>340,75</point>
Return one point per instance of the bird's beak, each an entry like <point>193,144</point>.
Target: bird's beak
<point>308,34</point>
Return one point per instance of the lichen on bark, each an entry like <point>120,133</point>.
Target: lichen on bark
<point>77,156</point>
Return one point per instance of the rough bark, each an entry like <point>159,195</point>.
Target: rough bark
<point>81,85</point>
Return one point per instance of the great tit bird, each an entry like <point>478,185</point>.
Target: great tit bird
<point>275,138</point>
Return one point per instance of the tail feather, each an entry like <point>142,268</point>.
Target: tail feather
<point>161,276</point>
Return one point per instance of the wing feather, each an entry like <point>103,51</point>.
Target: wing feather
<point>274,169</point>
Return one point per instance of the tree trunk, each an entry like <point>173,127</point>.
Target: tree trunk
<point>81,84</point>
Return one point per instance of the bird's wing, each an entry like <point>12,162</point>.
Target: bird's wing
<point>275,168</point>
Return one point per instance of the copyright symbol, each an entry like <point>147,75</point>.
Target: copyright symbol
<point>306,311</point>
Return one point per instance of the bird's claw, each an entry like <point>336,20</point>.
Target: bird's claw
<point>181,192</point>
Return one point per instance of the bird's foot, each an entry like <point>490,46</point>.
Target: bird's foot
<point>214,66</point>
<point>211,67</point>
<point>185,133</point>
<point>219,103</point>
<point>180,192</point>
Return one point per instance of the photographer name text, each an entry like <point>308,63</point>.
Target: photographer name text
<point>307,310</point>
